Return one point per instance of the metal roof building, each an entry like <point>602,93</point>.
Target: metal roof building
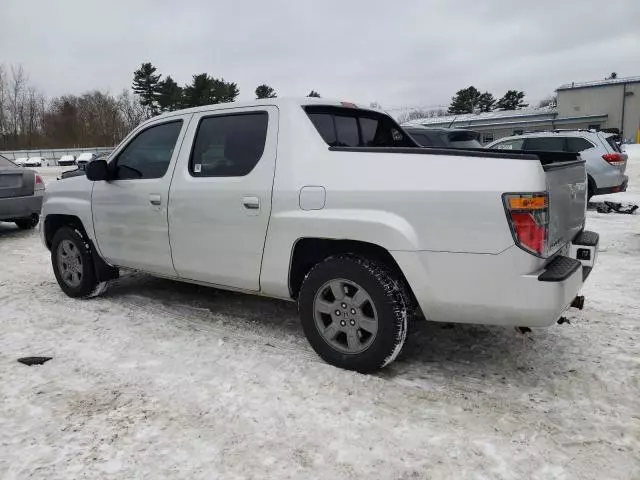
<point>602,104</point>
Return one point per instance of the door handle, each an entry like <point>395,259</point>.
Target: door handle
<point>155,199</point>
<point>251,203</point>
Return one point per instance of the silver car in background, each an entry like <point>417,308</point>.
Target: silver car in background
<point>21,192</point>
<point>605,162</point>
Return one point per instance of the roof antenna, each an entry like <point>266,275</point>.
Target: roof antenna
<point>454,119</point>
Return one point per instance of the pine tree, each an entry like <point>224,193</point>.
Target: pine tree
<point>265,91</point>
<point>486,102</point>
<point>613,76</point>
<point>512,100</point>
<point>145,85</point>
<point>169,95</point>
<point>314,94</point>
<point>465,100</point>
<point>205,90</point>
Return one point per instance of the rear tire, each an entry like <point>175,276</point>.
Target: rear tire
<point>370,329</point>
<point>28,223</point>
<point>73,266</point>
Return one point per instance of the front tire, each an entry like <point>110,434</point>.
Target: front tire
<point>28,223</point>
<point>73,266</point>
<point>354,312</point>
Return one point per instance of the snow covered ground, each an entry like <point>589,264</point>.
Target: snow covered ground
<point>159,379</point>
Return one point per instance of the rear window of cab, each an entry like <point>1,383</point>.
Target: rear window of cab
<point>352,127</point>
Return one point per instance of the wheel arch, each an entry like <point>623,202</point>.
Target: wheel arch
<point>309,251</point>
<point>54,222</point>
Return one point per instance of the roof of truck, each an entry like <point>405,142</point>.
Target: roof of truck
<point>300,101</point>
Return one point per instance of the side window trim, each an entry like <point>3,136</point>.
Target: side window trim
<point>226,113</point>
<point>113,161</point>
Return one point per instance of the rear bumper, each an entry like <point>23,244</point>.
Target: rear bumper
<point>19,207</point>
<point>511,288</point>
<point>615,189</point>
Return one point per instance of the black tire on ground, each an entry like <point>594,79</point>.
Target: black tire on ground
<point>591,188</point>
<point>387,293</point>
<point>28,223</point>
<point>88,285</point>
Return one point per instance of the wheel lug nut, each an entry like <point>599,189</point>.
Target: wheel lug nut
<point>352,322</point>
<point>338,313</point>
<point>344,305</point>
<point>353,311</point>
<point>343,323</point>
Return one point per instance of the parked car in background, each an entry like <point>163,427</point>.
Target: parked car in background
<point>605,162</point>
<point>35,162</point>
<point>21,192</point>
<point>85,158</point>
<point>444,137</point>
<point>357,224</point>
<point>66,160</point>
<point>81,169</point>
<point>21,161</point>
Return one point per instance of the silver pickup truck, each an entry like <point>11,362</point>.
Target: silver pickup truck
<point>335,207</point>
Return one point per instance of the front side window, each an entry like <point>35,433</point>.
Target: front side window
<point>229,145</point>
<point>148,155</point>
<point>545,144</point>
<point>350,127</point>
<point>577,144</point>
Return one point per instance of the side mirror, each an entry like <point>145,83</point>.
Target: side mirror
<point>97,170</point>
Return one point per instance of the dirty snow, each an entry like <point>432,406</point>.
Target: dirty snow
<point>158,379</point>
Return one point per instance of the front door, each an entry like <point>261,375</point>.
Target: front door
<point>130,210</point>
<point>221,196</point>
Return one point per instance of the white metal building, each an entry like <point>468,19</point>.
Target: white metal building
<point>589,105</point>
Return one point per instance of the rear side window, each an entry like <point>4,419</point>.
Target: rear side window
<point>349,127</point>
<point>548,144</point>
<point>611,140</point>
<point>228,145</point>
<point>577,144</point>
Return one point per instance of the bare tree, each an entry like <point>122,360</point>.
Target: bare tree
<point>132,111</point>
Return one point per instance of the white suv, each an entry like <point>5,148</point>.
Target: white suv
<point>605,161</point>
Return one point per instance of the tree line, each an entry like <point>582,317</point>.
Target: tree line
<point>28,120</point>
<point>470,100</point>
<point>159,95</point>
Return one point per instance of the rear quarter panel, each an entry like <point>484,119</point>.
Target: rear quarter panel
<point>401,202</point>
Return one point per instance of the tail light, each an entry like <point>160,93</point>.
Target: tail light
<point>528,216</point>
<point>615,158</point>
<point>39,183</point>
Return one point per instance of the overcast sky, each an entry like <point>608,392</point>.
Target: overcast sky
<point>399,53</point>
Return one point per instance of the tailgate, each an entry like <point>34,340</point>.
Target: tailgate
<point>567,187</point>
<point>16,182</point>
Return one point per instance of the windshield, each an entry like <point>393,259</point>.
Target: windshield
<point>464,139</point>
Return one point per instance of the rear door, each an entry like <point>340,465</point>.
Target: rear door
<point>221,196</point>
